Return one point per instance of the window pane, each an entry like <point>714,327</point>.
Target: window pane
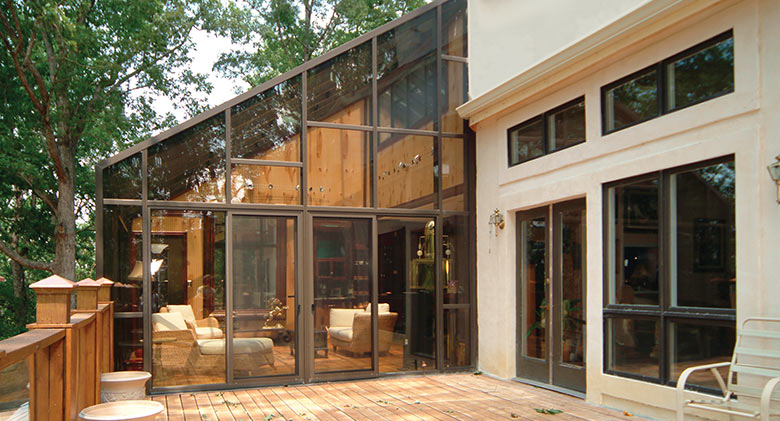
<point>265,184</point>
<point>633,346</point>
<point>699,343</point>
<point>701,75</point>
<point>268,125</point>
<point>632,101</point>
<point>456,275</point>
<point>705,237</point>
<point>534,273</point>
<point>406,68</point>
<point>526,142</point>
<point>406,171</point>
<point>123,180</point>
<point>188,303</point>
<point>566,127</point>
<point>457,338</point>
<point>339,90</point>
<point>122,251</point>
<point>128,343</point>
<point>453,173</point>
<point>339,167</point>
<point>454,94</point>
<point>454,29</point>
<point>190,165</point>
<point>572,267</point>
<point>635,243</point>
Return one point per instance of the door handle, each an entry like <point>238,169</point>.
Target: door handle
<point>312,308</point>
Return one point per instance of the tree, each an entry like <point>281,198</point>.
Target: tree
<point>286,33</point>
<point>76,80</point>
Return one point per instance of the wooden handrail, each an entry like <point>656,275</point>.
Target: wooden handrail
<point>16,348</point>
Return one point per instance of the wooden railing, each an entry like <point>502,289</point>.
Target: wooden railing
<point>65,350</point>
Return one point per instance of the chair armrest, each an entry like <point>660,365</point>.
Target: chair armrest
<point>684,378</point>
<point>207,322</point>
<point>766,397</point>
<point>179,335</point>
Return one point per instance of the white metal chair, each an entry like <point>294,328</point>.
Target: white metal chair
<point>754,372</point>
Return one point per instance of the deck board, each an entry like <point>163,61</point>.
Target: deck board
<point>444,397</point>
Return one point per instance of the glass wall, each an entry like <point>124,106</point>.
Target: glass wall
<point>364,132</point>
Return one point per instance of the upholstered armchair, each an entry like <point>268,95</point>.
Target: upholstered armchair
<point>207,328</point>
<point>350,329</point>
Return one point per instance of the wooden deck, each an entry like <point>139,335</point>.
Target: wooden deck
<point>432,397</point>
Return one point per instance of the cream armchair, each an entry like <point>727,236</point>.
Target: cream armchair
<point>350,329</point>
<point>207,328</point>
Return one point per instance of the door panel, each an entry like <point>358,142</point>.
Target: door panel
<point>533,276</point>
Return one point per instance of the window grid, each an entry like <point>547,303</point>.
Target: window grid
<point>545,139</point>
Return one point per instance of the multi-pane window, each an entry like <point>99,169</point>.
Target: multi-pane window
<point>552,131</point>
<point>670,271</point>
<point>700,73</point>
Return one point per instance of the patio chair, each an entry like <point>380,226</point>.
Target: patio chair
<point>350,329</point>
<point>754,372</point>
<point>207,328</point>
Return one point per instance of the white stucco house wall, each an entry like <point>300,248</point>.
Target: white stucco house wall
<point>529,58</point>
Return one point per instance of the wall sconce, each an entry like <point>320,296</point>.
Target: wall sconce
<point>496,220</point>
<point>774,172</point>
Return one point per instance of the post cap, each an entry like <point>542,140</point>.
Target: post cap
<point>87,282</point>
<point>105,281</point>
<point>53,282</point>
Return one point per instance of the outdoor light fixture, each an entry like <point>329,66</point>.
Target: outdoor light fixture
<point>496,220</point>
<point>774,172</point>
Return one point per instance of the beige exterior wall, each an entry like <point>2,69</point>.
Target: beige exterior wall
<point>744,123</point>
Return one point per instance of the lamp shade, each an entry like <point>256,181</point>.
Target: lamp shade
<point>774,169</point>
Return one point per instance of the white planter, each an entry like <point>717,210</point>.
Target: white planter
<point>122,411</point>
<point>123,385</point>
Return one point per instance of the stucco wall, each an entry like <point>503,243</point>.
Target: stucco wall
<point>743,123</point>
<point>508,36</point>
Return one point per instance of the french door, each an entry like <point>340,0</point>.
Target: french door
<point>551,299</point>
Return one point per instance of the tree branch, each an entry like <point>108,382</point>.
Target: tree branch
<point>18,258</point>
<point>49,199</point>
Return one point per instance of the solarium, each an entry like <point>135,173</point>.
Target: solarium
<point>250,244</point>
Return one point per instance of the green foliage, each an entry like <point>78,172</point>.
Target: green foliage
<point>282,34</point>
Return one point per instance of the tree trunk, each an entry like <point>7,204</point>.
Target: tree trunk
<point>20,286</point>
<point>65,229</point>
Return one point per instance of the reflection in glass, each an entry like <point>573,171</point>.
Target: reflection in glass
<point>15,391</point>
<point>704,270</point>
<point>265,184</point>
<point>339,167</point>
<point>406,288</point>
<point>454,94</point>
<point>406,68</point>
<point>701,75</point>
<point>263,296</point>
<point>188,302</point>
<point>526,142</point>
<point>453,174</point>
<point>534,274</point>
<point>405,164</point>
<point>572,306</point>
<point>268,125</point>
<point>456,276</point>
<point>340,89</point>
<point>694,344</point>
<point>566,127</point>
<point>635,240</point>
<point>123,179</point>
<point>634,346</point>
<point>122,251</point>
<point>631,102</point>
<point>457,338</point>
<point>342,293</point>
<point>190,165</point>
<point>454,28</point>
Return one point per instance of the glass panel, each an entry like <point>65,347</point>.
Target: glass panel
<point>340,89</point>
<point>15,392</point>
<point>534,274</point>
<point>190,165</point>
<point>188,283</point>
<point>454,28</point>
<point>635,243</point>
<point>265,184</point>
<point>406,171</point>
<point>572,306</point>
<point>268,125</point>
<point>526,142</point>
<point>632,101</point>
<point>454,94</point>
<point>633,346</point>
<point>122,251</point>
<point>457,338</point>
<point>566,127</point>
<point>406,294</point>
<point>263,296</point>
<point>699,343</point>
<point>453,174</point>
<point>123,180</point>
<point>128,343</point>
<point>406,68</point>
<point>701,75</point>
<point>342,292</point>
<point>456,275</point>
<point>339,167</point>
<point>704,267</point>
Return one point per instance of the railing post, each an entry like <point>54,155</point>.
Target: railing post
<point>104,297</point>
<point>87,294</point>
<point>104,293</point>
<point>53,303</point>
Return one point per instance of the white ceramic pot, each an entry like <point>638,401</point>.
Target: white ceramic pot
<point>123,385</point>
<point>122,411</point>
